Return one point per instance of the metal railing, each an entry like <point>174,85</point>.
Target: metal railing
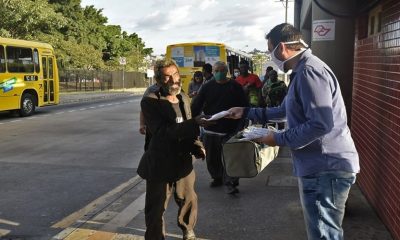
<point>96,80</point>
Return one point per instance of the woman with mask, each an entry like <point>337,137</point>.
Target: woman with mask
<point>195,84</point>
<point>236,73</point>
<point>214,97</point>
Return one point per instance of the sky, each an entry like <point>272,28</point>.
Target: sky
<point>241,24</point>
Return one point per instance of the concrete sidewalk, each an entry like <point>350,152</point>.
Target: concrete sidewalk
<point>267,207</point>
<point>76,97</point>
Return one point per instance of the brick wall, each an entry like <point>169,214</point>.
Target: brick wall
<point>376,113</point>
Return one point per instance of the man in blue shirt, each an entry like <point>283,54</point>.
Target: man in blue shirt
<point>324,156</point>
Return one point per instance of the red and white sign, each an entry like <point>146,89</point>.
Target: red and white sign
<point>323,30</point>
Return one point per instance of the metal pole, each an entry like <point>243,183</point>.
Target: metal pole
<point>286,7</point>
<point>285,76</point>
<point>123,78</point>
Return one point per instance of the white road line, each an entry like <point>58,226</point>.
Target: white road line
<point>59,113</point>
<point>126,215</point>
<point>4,221</point>
<point>82,109</point>
<point>92,107</point>
<point>70,111</point>
<point>73,217</point>
<point>19,120</point>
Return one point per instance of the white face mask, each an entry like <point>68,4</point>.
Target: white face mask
<point>281,64</point>
<point>236,74</point>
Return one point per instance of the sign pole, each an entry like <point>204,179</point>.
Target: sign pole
<point>123,78</point>
<point>122,61</point>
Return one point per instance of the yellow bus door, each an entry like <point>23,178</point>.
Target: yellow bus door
<point>48,79</point>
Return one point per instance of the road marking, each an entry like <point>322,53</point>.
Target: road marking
<point>3,221</point>
<point>59,113</point>
<point>72,218</point>
<point>70,111</point>
<point>126,215</point>
<point>19,120</point>
<point>92,107</point>
<point>4,232</point>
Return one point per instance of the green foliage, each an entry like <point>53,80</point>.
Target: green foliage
<point>79,35</point>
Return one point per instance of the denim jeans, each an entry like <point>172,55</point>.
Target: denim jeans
<point>323,197</point>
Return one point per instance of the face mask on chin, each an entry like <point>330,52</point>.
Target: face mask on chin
<point>236,74</point>
<point>281,64</point>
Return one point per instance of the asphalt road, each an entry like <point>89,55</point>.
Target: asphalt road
<point>63,158</point>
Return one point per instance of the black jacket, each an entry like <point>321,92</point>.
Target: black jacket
<point>168,157</point>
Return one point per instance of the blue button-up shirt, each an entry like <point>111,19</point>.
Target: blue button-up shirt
<point>317,132</point>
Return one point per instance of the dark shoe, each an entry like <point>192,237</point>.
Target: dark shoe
<point>189,235</point>
<point>216,182</point>
<point>231,189</point>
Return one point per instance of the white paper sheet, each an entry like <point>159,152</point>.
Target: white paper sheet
<point>218,116</point>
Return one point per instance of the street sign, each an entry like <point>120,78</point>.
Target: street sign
<point>323,30</point>
<point>122,60</point>
<point>150,73</point>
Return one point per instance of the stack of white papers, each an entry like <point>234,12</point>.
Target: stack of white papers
<point>251,133</point>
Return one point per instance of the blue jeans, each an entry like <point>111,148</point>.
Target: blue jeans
<point>323,197</point>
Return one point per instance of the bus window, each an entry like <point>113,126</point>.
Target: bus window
<point>20,60</point>
<point>50,68</point>
<point>44,65</point>
<point>2,60</point>
<point>36,60</point>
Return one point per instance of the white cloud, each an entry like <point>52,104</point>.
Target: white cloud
<point>159,22</point>
<point>207,4</point>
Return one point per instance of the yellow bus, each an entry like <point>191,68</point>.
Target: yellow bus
<point>28,76</point>
<point>191,57</point>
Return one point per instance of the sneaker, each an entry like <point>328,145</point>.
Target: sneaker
<point>189,235</point>
<point>216,182</point>
<point>231,189</point>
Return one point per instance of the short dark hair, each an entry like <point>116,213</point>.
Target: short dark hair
<point>244,61</point>
<point>285,32</point>
<point>269,68</point>
<point>207,68</point>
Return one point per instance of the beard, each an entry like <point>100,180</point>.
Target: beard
<point>172,89</point>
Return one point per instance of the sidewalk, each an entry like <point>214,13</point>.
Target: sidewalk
<point>76,97</point>
<point>267,207</point>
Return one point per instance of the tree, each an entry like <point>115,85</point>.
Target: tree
<point>80,36</point>
<point>27,19</point>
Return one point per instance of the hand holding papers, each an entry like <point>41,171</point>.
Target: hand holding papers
<point>251,133</point>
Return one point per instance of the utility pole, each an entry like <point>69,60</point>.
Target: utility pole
<point>286,7</point>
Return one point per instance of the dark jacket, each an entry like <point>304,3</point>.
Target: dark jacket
<point>168,157</point>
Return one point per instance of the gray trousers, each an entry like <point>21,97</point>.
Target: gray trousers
<point>157,198</point>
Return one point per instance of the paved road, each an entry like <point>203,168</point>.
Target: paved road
<point>63,158</point>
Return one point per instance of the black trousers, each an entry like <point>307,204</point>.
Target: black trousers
<point>157,197</point>
<point>213,145</point>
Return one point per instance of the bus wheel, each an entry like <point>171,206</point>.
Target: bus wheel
<point>27,105</point>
